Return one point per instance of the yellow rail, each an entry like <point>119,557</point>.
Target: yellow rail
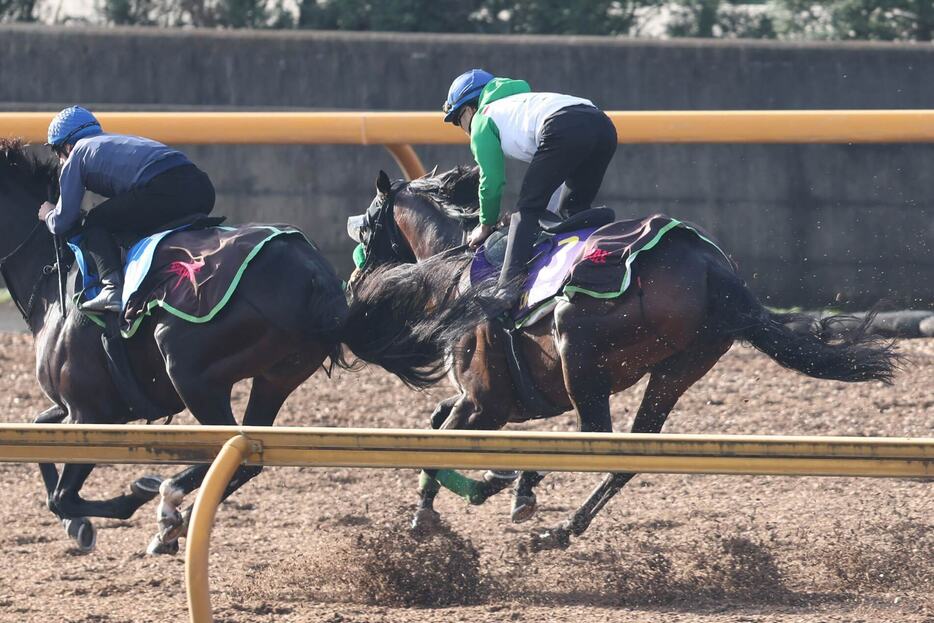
<point>587,452</point>
<point>618,452</point>
<point>398,128</point>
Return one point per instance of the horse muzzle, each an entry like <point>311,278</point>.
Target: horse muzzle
<point>356,225</point>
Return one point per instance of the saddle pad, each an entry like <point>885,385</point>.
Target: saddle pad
<point>138,260</point>
<point>605,268</point>
<point>596,262</point>
<point>190,274</point>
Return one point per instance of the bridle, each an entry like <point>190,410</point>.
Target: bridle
<point>26,309</point>
<point>385,237</point>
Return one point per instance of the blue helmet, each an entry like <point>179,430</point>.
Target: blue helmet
<point>465,88</point>
<point>72,124</point>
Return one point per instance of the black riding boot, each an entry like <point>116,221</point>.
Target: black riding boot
<point>101,247</point>
<point>523,230</point>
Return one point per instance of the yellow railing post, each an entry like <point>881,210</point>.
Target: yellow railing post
<point>231,456</point>
<point>407,160</point>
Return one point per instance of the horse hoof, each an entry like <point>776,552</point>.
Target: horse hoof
<point>426,522</point>
<point>507,475</point>
<point>168,516</point>
<point>556,538</point>
<point>523,508</point>
<point>146,488</point>
<point>158,547</point>
<point>171,533</point>
<point>82,532</point>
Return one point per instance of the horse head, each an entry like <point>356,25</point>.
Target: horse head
<point>25,182</point>
<point>411,221</point>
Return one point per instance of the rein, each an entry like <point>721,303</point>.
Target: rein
<point>27,309</point>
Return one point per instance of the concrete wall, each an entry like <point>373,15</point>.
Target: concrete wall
<point>808,224</point>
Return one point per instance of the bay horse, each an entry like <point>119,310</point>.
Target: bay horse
<point>282,324</point>
<point>691,307</point>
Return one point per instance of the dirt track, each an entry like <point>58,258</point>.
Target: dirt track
<point>329,545</point>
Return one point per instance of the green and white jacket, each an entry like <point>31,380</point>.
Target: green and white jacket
<point>509,122</point>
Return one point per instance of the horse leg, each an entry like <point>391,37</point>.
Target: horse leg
<point>52,415</point>
<point>464,415</point>
<point>667,383</point>
<point>524,502</point>
<point>441,413</point>
<point>210,405</point>
<point>266,398</point>
<point>66,502</point>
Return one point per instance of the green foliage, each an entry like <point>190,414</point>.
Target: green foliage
<point>394,15</point>
<point>17,11</point>
<point>886,20</point>
<point>128,12</point>
<point>719,18</point>
<point>584,17</point>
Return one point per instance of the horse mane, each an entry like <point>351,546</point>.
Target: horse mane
<point>407,317</point>
<point>17,164</point>
<point>454,193</point>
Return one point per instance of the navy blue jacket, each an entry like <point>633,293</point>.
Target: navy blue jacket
<point>109,165</point>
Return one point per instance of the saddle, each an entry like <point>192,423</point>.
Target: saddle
<point>494,249</point>
<point>88,285</point>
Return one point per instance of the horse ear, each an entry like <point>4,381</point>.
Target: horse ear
<point>429,174</point>
<point>383,185</point>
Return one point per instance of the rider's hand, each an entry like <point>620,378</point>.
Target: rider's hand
<point>44,210</point>
<point>480,233</point>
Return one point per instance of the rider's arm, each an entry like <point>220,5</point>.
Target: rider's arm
<point>68,209</point>
<point>487,151</point>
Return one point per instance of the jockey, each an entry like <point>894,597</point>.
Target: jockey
<point>147,185</point>
<point>563,138</point>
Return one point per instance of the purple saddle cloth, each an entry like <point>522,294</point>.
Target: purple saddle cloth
<point>595,261</point>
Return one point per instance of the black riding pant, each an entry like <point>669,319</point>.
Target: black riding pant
<point>577,145</point>
<point>170,196</point>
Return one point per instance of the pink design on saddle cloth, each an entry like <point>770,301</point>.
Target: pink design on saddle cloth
<point>597,256</point>
<point>186,270</point>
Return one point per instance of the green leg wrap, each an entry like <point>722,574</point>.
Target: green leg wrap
<point>467,488</point>
<point>427,484</point>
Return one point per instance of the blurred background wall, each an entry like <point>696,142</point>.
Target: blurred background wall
<point>809,225</point>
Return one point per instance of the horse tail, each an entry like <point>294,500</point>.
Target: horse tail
<point>409,318</point>
<point>816,351</point>
<point>325,308</point>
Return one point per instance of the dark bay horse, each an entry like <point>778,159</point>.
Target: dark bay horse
<point>288,316</point>
<point>692,307</point>
<point>281,326</point>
